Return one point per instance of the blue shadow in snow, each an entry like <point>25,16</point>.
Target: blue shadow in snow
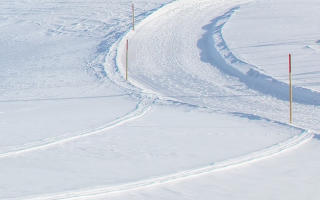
<point>65,98</point>
<point>256,117</point>
<point>248,116</point>
<point>212,43</point>
<point>317,137</point>
<point>116,33</point>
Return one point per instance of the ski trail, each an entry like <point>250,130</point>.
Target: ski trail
<point>223,58</point>
<point>141,109</point>
<point>276,149</point>
<point>271,151</point>
<point>287,145</point>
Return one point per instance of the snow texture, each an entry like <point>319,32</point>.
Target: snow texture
<point>204,113</point>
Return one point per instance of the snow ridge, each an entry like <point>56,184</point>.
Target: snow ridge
<point>141,109</point>
<point>287,145</point>
<point>221,57</point>
<point>293,142</point>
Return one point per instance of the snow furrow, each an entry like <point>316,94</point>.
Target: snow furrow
<point>276,149</point>
<point>287,145</point>
<point>141,109</point>
<point>222,57</point>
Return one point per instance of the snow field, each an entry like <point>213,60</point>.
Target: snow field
<point>172,74</point>
<point>292,175</point>
<point>291,29</point>
<point>166,145</point>
<point>180,116</point>
<point>147,71</point>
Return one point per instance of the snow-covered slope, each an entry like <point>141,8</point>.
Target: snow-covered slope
<point>194,69</point>
<point>293,28</point>
<point>73,128</point>
<point>53,85</point>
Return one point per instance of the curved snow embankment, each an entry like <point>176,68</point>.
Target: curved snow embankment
<point>221,57</point>
<point>140,77</point>
<point>141,109</point>
<point>293,142</point>
<point>110,41</point>
<point>213,50</point>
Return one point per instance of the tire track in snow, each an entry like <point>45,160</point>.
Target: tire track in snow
<point>141,109</point>
<point>102,191</point>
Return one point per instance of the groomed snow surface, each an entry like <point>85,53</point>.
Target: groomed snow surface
<point>203,115</point>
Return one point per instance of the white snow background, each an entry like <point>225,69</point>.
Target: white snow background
<point>204,114</point>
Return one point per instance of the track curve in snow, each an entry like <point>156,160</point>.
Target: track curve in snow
<point>293,142</point>
<point>141,109</point>
<point>172,71</point>
<point>222,57</point>
<point>167,58</point>
<point>212,49</point>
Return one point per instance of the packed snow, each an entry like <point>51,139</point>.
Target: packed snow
<point>203,114</point>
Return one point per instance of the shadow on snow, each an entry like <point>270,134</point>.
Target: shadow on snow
<point>215,51</point>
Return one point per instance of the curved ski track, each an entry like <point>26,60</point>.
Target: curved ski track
<point>293,142</point>
<point>142,108</point>
<point>101,191</point>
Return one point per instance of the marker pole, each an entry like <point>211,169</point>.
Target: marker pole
<point>290,88</point>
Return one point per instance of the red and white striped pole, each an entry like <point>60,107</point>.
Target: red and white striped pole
<point>290,88</point>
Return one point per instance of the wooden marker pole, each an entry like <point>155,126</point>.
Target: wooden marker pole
<point>290,88</point>
<point>127,59</point>
<point>133,17</point>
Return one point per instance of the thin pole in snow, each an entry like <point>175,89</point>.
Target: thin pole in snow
<point>290,88</point>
